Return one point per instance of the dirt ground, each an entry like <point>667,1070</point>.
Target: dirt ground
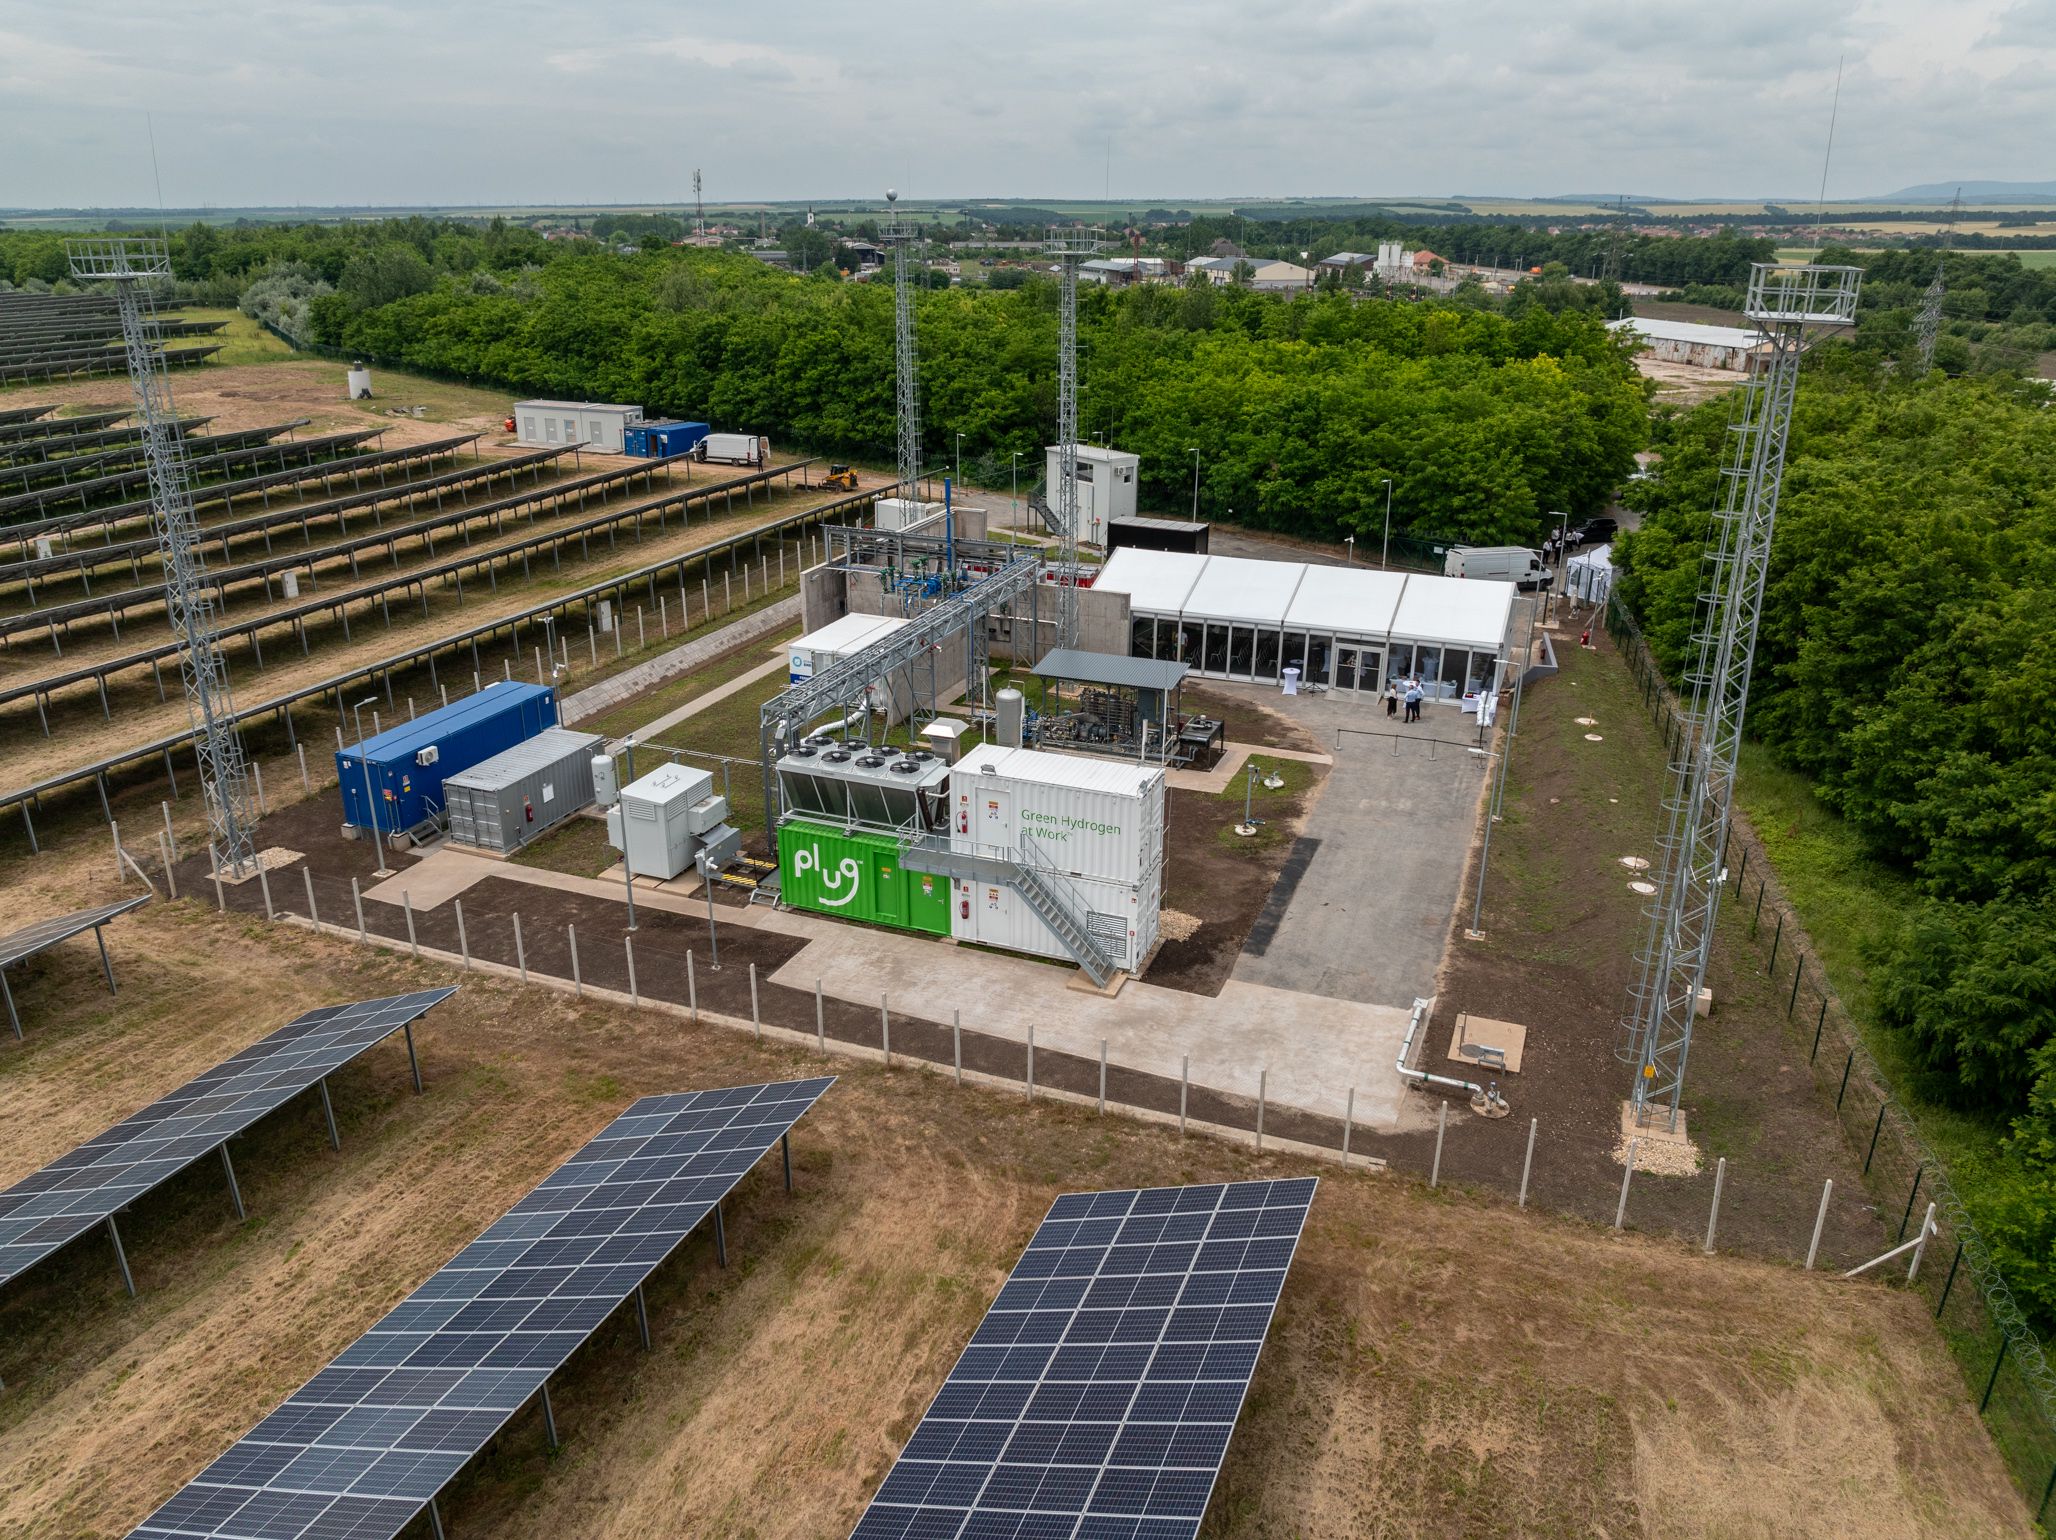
<point>1685,385</point>
<point>1440,1365</point>
<point>1562,928</point>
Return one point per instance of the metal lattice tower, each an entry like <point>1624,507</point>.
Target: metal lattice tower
<point>1069,247</point>
<point>1929,325</point>
<point>131,264</point>
<point>903,236</point>
<point>1791,307</point>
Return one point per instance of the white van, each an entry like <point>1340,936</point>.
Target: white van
<point>1498,563</point>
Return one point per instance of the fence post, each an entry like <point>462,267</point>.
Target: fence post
<point>1184,1084</point>
<point>756,1021</point>
<point>1819,1026</point>
<point>520,949</point>
<point>1263,1077</point>
<point>1776,937</point>
<point>1798,973</point>
<point>1720,1177</point>
<point>1528,1161</point>
<point>1348,1123</point>
<point>264,882</point>
<point>306,785</point>
<point>1102,1077</point>
<point>1757,913</point>
<point>407,903</point>
<point>956,1037</point>
<point>312,914</point>
<point>1985,1400</point>
<point>170,833</point>
<point>634,995</point>
<point>885,1029</point>
<point>463,940</point>
<point>1847,1066</point>
<point>257,776</point>
<point>170,876</point>
<point>1820,1221</point>
<point>692,989</point>
<point>1927,1228</point>
<point>577,983</point>
<point>220,893</point>
<point>1441,1127</point>
<point>1031,1061</point>
<point>357,898</point>
<point>1876,1129</point>
<point>1919,1171</point>
<point>820,1021</point>
<point>1950,1281</point>
<point>1620,1212</point>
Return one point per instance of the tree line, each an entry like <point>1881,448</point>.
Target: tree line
<point>1907,665</point>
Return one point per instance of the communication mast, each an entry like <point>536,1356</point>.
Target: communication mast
<point>1069,247</point>
<point>1792,307</point>
<point>1929,325</point>
<point>699,208</point>
<point>131,263</point>
<point>903,235</point>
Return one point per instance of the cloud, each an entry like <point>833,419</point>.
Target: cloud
<point>527,101</point>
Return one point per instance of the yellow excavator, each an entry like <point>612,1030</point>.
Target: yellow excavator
<point>840,476</point>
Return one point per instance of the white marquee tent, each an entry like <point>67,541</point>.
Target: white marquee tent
<point>1349,628</point>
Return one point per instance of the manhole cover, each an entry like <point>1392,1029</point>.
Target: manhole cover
<point>1595,738</point>
<point>1635,863</point>
<point>1644,888</point>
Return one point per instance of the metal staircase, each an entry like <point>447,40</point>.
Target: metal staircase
<point>1039,506</point>
<point>1032,875</point>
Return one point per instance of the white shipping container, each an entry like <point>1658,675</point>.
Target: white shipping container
<point>817,651</point>
<point>1101,819</point>
<point>1123,916</point>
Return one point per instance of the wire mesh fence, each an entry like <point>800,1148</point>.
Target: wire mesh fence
<point>2001,1355</point>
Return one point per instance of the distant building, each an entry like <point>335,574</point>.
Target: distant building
<point>1424,261</point>
<point>1346,262</point>
<point>1690,342</point>
<point>1226,248</point>
<point>1120,272</point>
<point>1276,277</point>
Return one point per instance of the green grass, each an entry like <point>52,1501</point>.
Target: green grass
<point>631,714</point>
<point>242,341</point>
<point>578,848</point>
<point>1297,774</point>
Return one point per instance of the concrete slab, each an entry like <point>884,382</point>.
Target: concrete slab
<point>1505,1041</point>
<point>1363,909</point>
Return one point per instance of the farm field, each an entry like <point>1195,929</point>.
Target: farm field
<point>1581,1383</point>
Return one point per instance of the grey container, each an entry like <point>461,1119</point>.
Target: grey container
<point>504,802</point>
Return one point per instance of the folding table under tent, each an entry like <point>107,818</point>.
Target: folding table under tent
<point>44,934</point>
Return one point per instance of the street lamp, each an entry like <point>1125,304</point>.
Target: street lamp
<point>1195,485</point>
<point>370,796</point>
<point>1303,256</point>
<point>1014,500</point>
<point>960,459</point>
<point>1385,552</point>
<point>1563,524</point>
<point>1350,541</point>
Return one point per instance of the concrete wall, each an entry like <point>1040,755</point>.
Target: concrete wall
<point>1027,629</point>
<point>824,597</point>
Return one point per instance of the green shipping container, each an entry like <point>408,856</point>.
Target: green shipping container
<point>858,877</point>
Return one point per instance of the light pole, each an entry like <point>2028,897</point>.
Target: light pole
<point>1350,541</point>
<point>1014,499</point>
<point>1563,524</point>
<point>370,795</point>
<point>960,459</point>
<point>1195,484</point>
<point>1303,256</point>
<point>1385,553</point>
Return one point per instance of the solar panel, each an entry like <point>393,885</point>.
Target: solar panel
<point>360,1449</point>
<point>31,939</point>
<point>1096,1399</point>
<point>94,1182</point>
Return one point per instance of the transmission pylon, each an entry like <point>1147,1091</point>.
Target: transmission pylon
<point>904,236</point>
<point>1791,307</point>
<point>131,264</point>
<point>1069,247</point>
<point>1929,325</point>
<point>699,207</point>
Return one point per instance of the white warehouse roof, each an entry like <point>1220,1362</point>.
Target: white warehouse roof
<point>583,406</point>
<point>1345,601</point>
<point>1689,331</point>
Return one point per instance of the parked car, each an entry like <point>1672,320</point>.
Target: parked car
<point>1597,531</point>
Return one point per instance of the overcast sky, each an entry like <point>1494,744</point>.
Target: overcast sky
<point>507,101</point>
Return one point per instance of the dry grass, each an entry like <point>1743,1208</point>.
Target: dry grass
<point>1441,1365</point>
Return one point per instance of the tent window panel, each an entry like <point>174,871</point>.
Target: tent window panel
<point>1319,649</point>
<point>1455,666</point>
<point>1294,655</point>
<point>1188,645</point>
<point>1482,666</point>
<point>1267,655</point>
<point>1241,651</point>
<point>1428,669</point>
<point>1142,637</point>
<point>1216,650</point>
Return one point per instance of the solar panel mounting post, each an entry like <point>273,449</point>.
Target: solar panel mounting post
<point>235,1191</point>
<point>435,1520</point>
<point>13,1018</point>
<point>121,1257</point>
<point>328,1111</point>
<point>720,1238</point>
<point>642,1317</point>
<point>549,1420</point>
<point>413,1063</point>
<point>785,1154</point>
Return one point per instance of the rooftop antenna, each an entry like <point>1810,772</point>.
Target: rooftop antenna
<point>1821,203</point>
<point>1070,247</point>
<point>1791,307</point>
<point>131,264</point>
<point>1929,326</point>
<point>902,235</point>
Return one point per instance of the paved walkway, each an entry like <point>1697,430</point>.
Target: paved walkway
<point>1314,1049</point>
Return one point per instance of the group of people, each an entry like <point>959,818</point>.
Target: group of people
<point>1409,693</point>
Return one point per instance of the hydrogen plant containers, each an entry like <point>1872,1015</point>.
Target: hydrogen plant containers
<point>1092,828</point>
<point>850,812</point>
<point>504,802</point>
<point>394,782</point>
<point>661,437</point>
<point>665,820</point>
<point>817,651</point>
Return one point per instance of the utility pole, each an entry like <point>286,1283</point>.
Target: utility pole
<point>902,235</point>
<point>131,263</point>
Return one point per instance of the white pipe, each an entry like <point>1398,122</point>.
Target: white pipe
<point>1421,1076</point>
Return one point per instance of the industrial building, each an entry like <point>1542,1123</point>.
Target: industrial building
<point>1691,342</point>
<point>392,783</point>
<point>1350,629</point>
<point>503,803</point>
<point>601,425</point>
<point>658,437</point>
<point>1106,487</point>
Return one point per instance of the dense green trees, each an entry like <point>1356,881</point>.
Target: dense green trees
<point>1907,663</point>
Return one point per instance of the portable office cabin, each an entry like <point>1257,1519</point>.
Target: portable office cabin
<point>504,802</point>
<point>407,765</point>
<point>658,437</point>
<point>601,424</point>
<point>1106,487</point>
<point>1158,535</point>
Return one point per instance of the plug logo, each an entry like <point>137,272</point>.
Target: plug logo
<point>848,869</point>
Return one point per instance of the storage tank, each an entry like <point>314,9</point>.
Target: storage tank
<point>407,765</point>
<point>606,785</point>
<point>504,802</point>
<point>360,382</point>
<point>1011,708</point>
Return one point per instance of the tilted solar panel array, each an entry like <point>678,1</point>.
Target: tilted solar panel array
<point>1097,1398</point>
<point>31,939</point>
<point>362,1447</point>
<point>54,1206</point>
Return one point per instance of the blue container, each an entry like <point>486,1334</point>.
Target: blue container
<point>662,438</point>
<point>407,763</point>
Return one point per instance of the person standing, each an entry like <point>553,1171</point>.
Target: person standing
<point>1413,700</point>
<point>1391,698</point>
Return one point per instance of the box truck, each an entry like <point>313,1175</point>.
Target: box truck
<point>733,449</point>
<point>1497,563</point>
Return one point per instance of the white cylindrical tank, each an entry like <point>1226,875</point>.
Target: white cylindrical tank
<point>606,789</point>
<point>1011,706</point>
<point>360,382</point>
<point>290,582</point>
